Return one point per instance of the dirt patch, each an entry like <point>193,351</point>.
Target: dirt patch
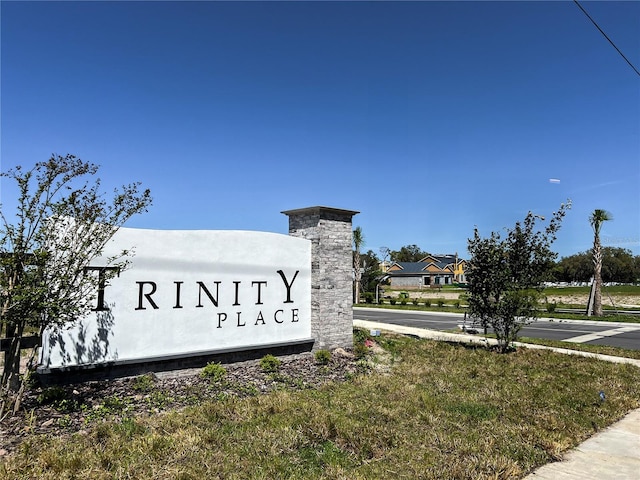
<point>609,301</point>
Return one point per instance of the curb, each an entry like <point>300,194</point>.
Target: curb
<point>473,340</point>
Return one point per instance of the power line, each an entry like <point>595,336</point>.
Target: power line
<point>605,36</point>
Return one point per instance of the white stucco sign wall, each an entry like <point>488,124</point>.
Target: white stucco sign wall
<point>192,292</point>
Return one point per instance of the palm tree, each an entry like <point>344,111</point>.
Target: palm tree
<point>358,242</point>
<point>596,219</point>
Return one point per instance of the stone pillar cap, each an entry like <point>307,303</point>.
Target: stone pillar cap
<point>318,209</point>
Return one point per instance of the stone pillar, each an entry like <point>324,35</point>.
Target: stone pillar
<point>330,232</point>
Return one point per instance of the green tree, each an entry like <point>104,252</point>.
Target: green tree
<point>62,221</point>
<point>370,271</point>
<point>618,265</point>
<point>358,243</point>
<point>636,269</point>
<point>505,276</point>
<point>408,253</point>
<point>574,268</point>
<point>596,219</point>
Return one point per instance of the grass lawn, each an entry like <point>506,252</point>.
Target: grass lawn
<point>584,347</point>
<point>437,411</point>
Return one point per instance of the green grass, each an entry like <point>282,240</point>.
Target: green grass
<point>442,411</point>
<point>584,347</point>
<point>580,347</point>
<point>447,307</point>
<point>608,317</point>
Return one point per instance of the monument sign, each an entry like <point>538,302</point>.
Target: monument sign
<point>189,293</point>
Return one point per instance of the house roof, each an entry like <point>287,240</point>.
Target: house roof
<point>407,267</point>
<point>431,264</point>
<point>413,268</point>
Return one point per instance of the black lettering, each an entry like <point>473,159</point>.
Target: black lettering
<point>102,284</point>
<point>237,284</point>
<point>275,316</point>
<point>141,294</point>
<point>240,324</point>
<point>260,318</point>
<point>294,315</point>
<point>260,283</point>
<point>287,284</point>
<point>221,318</point>
<point>201,287</point>
<point>177,305</point>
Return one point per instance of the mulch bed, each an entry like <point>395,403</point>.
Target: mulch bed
<point>74,408</point>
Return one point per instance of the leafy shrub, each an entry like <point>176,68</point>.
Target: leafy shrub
<point>270,364</point>
<point>393,301</point>
<point>381,301</point>
<point>427,303</point>
<point>59,399</point>
<point>143,383</point>
<point>67,405</point>
<point>360,338</point>
<point>363,365</point>
<point>360,350</point>
<point>456,304</point>
<point>323,357</point>
<point>368,297</point>
<point>360,335</point>
<point>115,403</point>
<point>111,405</point>
<point>551,307</point>
<point>415,301</point>
<point>51,394</point>
<point>440,302</point>
<point>403,301</point>
<point>214,371</point>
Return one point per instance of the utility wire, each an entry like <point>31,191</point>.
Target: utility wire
<point>605,36</point>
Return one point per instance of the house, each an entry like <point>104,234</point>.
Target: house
<point>431,271</point>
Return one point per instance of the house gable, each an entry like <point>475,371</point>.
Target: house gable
<point>430,270</point>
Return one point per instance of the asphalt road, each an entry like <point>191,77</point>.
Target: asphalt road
<point>614,334</point>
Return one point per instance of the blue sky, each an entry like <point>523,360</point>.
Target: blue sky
<point>429,118</point>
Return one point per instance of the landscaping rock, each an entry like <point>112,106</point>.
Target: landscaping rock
<point>74,408</point>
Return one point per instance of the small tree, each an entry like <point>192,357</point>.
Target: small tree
<point>505,275</point>
<point>370,271</point>
<point>62,222</point>
<point>385,254</point>
<point>358,243</point>
<point>596,219</point>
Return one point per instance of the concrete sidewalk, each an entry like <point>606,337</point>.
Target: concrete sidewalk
<point>613,454</point>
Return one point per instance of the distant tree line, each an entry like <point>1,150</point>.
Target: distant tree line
<point>618,265</point>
